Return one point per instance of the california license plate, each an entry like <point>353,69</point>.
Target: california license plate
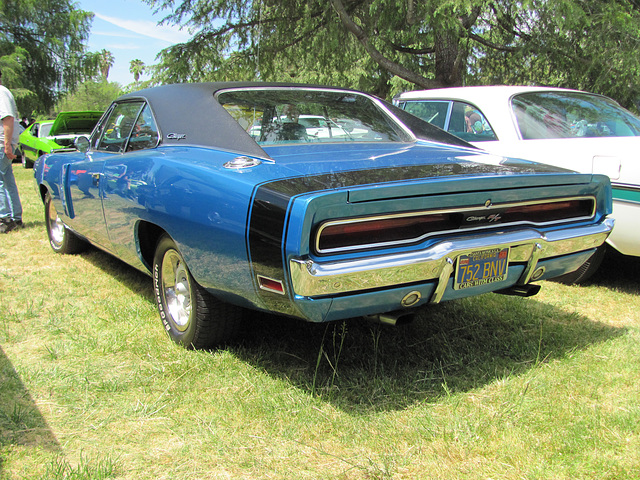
<point>481,267</point>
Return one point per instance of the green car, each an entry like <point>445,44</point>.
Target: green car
<point>55,135</point>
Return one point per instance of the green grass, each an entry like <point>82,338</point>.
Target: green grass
<point>485,388</point>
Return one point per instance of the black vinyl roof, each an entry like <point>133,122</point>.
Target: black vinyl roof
<point>188,114</point>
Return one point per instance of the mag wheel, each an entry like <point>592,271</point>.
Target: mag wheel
<point>190,315</point>
<point>61,239</point>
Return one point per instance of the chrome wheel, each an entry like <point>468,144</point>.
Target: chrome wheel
<point>190,315</point>
<point>61,239</point>
<point>176,289</point>
<point>56,227</point>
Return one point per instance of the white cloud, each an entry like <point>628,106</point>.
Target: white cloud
<point>123,46</point>
<point>165,33</point>
<point>105,33</point>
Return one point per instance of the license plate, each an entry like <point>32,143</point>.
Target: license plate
<point>481,267</point>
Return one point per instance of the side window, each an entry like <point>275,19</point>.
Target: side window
<point>145,132</point>
<point>434,112</point>
<point>96,135</point>
<point>468,123</point>
<point>116,129</point>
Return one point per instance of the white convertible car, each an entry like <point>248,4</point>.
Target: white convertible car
<point>569,128</point>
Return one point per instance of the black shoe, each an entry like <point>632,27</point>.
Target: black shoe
<point>7,226</point>
<point>9,220</point>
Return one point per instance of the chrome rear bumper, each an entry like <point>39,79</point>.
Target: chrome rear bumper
<point>316,279</point>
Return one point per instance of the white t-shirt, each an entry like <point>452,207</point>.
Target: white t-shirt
<point>8,108</point>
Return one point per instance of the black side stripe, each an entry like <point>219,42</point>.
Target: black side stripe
<point>267,228</point>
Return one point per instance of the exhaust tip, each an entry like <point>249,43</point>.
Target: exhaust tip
<point>395,319</point>
<point>528,290</point>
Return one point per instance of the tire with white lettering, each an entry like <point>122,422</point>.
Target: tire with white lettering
<point>191,316</point>
<point>61,239</point>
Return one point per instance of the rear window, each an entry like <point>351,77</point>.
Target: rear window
<point>283,116</point>
<point>544,115</point>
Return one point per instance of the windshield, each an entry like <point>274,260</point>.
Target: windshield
<point>45,128</point>
<point>543,115</point>
<point>290,116</point>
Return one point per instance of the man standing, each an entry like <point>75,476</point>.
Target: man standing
<point>10,206</point>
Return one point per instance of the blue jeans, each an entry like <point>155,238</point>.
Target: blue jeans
<point>10,206</point>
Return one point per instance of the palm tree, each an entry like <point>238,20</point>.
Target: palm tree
<point>106,62</point>
<point>136,67</point>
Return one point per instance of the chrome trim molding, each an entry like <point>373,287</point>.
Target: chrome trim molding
<point>487,205</point>
<point>531,264</point>
<point>314,279</point>
<point>242,162</point>
<point>410,299</point>
<point>443,278</point>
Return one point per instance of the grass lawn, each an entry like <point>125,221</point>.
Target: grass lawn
<point>492,387</point>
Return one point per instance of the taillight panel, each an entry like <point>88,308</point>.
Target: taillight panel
<point>353,234</point>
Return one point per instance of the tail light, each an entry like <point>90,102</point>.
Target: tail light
<point>409,227</point>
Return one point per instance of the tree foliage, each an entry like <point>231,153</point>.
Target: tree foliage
<point>385,45</point>
<point>42,45</point>
<point>583,44</point>
<point>90,95</point>
<point>137,68</point>
<point>105,62</point>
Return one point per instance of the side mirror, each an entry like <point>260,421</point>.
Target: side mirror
<point>82,144</point>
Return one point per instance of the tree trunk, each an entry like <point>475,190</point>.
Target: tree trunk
<point>389,65</point>
<point>449,61</point>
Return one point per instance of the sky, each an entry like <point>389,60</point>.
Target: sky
<point>129,30</point>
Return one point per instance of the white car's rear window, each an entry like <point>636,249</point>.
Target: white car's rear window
<point>543,115</point>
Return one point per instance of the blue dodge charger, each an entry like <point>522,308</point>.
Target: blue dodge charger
<point>231,202</point>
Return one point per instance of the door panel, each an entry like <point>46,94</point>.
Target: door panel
<point>85,192</point>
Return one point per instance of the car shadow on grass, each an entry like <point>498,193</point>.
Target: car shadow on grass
<point>133,279</point>
<point>619,272</point>
<point>450,348</point>
<point>364,367</point>
<point>21,423</point>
